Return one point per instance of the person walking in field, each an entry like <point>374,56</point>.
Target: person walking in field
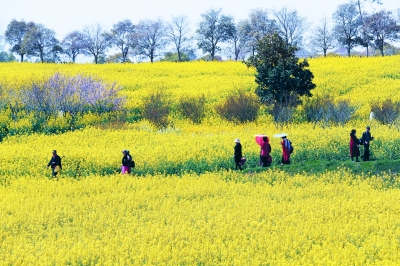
<point>238,154</point>
<point>126,162</point>
<point>265,153</point>
<point>354,149</point>
<point>55,164</point>
<point>365,140</point>
<point>286,150</point>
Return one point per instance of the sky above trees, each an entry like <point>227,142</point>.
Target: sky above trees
<point>63,19</point>
<point>64,16</point>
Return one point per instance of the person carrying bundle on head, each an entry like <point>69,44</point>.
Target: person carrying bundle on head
<point>265,152</point>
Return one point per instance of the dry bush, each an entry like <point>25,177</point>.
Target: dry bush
<point>386,112</point>
<point>325,111</point>
<point>241,107</point>
<point>193,108</point>
<point>156,109</point>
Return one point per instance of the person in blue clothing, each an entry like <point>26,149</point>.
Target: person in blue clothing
<point>366,140</point>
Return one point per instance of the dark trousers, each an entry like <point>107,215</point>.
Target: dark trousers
<point>264,161</point>
<point>366,153</point>
<point>237,162</point>
<point>285,162</point>
<point>52,171</point>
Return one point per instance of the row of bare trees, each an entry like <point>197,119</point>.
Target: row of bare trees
<point>352,27</point>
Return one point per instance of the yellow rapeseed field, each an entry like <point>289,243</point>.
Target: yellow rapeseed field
<point>212,219</point>
<point>184,205</point>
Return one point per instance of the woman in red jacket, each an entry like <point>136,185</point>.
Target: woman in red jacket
<point>265,153</point>
<point>354,149</point>
<point>286,144</point>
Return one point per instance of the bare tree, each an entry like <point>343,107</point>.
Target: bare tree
<point>364,39</point>
<point>347,24</point>
<point>383,27</point>
<point>291,26</point>
<point>15,36</point>
<point>72,45</point>
<point>96,41</point>
<point>123,37</point>
<point>398,15</point>
<point>258,25</point>
<point>150,37</point>
<point>323,37</point>
<point>177,32</point>
<point>213,30</point>
<point>238,38</point>
<point>41,42</point>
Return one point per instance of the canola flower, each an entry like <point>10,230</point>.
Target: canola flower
<point>187,148</point>
<point>267,218</point>
<point>185,206</point>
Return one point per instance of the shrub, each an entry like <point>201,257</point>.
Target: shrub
<point>324,110</point>
<point>386,112</point>
<point>282,115</point>
<point>341,112</point>
<point>315,108</point>
<point>193,108</point>
<point>239,108</point>
<point>156,109</point>
<point>72,95</point>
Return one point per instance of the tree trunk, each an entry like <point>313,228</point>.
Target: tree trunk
<point>95,59</point>
<point>179,55</point>
<point>22,57</point>
<point>236,52</point>
<point>41,56</point>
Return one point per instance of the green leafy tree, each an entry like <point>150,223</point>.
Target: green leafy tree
<point>7,57</point>
<point>280,76</point>
<point>174,57</point>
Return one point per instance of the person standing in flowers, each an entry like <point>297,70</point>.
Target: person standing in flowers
<point>55,163</point>
<point>237,154</point>
<point>354,149</point>
<point>126,162</point>
<point>365,140</point>
<point>265,153</point>
<point>286,147</point>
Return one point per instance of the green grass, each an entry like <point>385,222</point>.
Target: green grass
<point>376,167</point>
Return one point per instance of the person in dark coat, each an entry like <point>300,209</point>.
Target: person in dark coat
<point>354,149</point>
<point>54,162</point>
<point>238,154</point>
<point>365,140</point>
<point>126,162</point>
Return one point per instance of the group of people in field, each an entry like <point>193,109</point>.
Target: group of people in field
<point>126,168</point>
<point>287,149</point>
<point>355,143</point>
<point>265,151</point>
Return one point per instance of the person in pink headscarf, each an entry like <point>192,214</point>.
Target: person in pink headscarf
<point>265,153</point>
